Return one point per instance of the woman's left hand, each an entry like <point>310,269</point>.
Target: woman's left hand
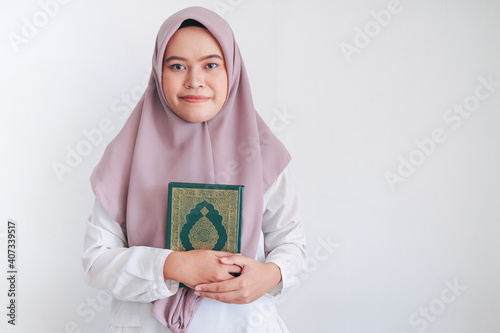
<point>255,280</point>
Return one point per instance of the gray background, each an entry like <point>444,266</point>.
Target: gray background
<point>397,253</point>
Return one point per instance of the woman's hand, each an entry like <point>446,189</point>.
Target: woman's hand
<point>198,267</point>
<point>255,280</point>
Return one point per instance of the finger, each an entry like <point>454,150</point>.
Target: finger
<point>233,269</point>
<point>226,297</point>
<point>236,259</point>
<point>218,287</point>
<point>221,254</point>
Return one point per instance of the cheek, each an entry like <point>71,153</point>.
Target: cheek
<point>222,87</point>
<point>168,83</point>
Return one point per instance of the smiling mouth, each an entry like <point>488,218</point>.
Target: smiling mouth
<point>195,98</point>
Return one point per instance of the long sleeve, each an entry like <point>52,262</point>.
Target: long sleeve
<point>134,276</point>
<point>129,274</point>
<point>284,236</point>
<point>136,273</point>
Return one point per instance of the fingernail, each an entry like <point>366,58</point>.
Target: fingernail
<point>197,288</point>
<point>197,293</point>
<point>223,259</point>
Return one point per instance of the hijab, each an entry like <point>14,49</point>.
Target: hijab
<point>156,147</point>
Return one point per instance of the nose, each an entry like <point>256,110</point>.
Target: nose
<point>195,78</point>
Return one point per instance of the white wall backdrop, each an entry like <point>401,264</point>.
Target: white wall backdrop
<point>390,109</point>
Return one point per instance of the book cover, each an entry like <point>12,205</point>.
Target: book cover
<point>204,217</point>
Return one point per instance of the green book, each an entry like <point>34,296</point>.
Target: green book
<point>204,217</point>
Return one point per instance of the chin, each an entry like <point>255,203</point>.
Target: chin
<point>196,116</point>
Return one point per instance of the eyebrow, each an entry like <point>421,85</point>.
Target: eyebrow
<point>201,59</point>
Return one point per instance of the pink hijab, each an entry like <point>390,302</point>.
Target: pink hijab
<point>156,147</point>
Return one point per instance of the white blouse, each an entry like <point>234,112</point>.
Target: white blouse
<point>134,275</point>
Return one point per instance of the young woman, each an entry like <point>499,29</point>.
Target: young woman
<point>195,123</point>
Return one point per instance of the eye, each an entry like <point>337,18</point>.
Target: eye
<point>211,65</point>
<point>177,67</point>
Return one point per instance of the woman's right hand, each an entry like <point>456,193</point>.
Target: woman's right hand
<point>198,267</point>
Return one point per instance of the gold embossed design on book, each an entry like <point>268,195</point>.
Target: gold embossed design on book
<point>203,235</point>
<point>204,232</point>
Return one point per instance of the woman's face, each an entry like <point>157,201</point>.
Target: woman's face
<point>194,77</point>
